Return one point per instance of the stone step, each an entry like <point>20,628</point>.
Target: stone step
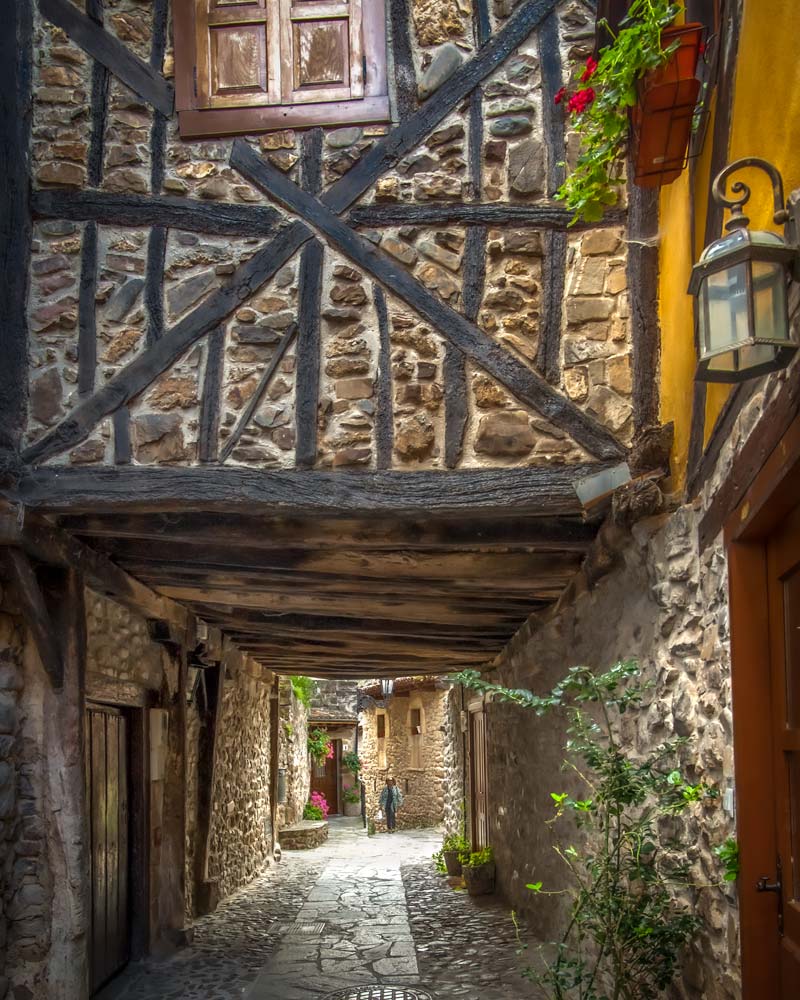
<point>304,835</point>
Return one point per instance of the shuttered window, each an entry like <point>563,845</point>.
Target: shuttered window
<point>246,66</point>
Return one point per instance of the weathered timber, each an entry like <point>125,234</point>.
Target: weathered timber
<point>147,366</point>
<point>474,270</point>
<point>255,400</point>
<point>554,273</point>
<point>37,616</point>
<point>481,21</point>
<point>552,114</point>
<point>541,534</point>
<point>308,354</point>
<point>111,53</point>
<point>520,380</point>
<point>206,769</point>
<point>543,216</point>
<point>475,143</point>
<point>539,490</point>
<point>456,404</point>
<point>311,160</point>
<point>158,150</point>
<point>774,422</point>
<point>405,77</point>
<point>384,419</point>
<point>720,433</point>
<point>121,420</point>
<point>412,130</point>
<point>208,442</point>
<point>87,306</point>
<point>190,215</point>
<point>158,45</point>
<point>642,273</point>
<point>16,62</point>
<point>154,283</point>
<point>99,114</point>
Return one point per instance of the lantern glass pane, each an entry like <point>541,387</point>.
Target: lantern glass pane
<point>723,308</point>
<point>769,301</point>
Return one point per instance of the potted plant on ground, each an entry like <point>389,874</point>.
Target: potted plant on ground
<point>605,90</point>
<point>317,807</point>
<point>455,850</point>
<point>352,801</point>
<point>479,871</point>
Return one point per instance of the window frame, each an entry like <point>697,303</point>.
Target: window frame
<point>195,122</point>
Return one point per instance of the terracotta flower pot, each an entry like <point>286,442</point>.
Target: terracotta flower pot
<point>662,119</point>
<point>480,879</point>
<point>352,808</point>
<point>452,862</point>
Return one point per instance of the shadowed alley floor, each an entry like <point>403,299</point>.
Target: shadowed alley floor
<point>359,910</point>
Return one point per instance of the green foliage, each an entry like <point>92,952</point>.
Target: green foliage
<point>352,763</point>
<point>478,858</point>
<point>601,118</point>
<point>370,827</point>
<point>438,860</point>
<point>627,923</point>
<point>319,745</point>
<point>288,728</point>
<point>304,689</point>
<point>352,795</point>
<point>728,854</point>
<point>456,842</point>
<point>312,812</point>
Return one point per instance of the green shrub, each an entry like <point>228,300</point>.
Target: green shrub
<point>312,812</point>
<point>352,795</point>
<point>477,858</point>
<point>304,689</point>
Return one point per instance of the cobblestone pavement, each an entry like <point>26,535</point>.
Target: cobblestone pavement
<point>359,910</point>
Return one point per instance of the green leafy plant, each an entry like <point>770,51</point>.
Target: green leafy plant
<point>352,795</point>
<point>304,689</point>
<point>352,763</point>
<point>479,858</point>
<point>598,106</point>
<point>728,854</point>
<point>438,860</point>
<point>320,746</point>
<point>312,812</point>
<point>459,843</point>
<point>627,924</point>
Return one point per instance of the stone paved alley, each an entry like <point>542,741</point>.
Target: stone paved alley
<point>387,918</point>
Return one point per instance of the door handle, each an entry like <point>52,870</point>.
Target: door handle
<point>764,885</point>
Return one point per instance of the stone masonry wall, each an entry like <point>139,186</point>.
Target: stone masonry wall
<point>293,755</point>
<point>335,701</point>
<point>455,818</point>
<point>595,350</point>
<point>423,788</point>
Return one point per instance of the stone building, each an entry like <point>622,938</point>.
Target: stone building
<point>300,362</point>
<point>334,711</point>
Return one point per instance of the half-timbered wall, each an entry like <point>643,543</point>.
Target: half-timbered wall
<point>180,314</point>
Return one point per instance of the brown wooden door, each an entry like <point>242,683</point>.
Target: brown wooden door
<point>325,778</point>
<point>783,566</point>
<point>107,800</point>
<point>479,768</point>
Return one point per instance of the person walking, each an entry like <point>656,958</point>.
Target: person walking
<point>390,801</point>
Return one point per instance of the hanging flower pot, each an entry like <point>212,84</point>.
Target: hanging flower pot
<point>662,119</point>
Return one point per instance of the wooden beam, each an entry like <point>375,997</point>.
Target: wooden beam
<point>554,275</point>
<point>121,420</point>
<point>405,77</point>
<point>208,440</point>
<point>549,39</point>
<point>540,491</point>
<point>255,400</point>
<point>520,380</point>
<point>16,67</point>
<point>153,296</point>
<point>721,432</point>
<point>87,311</point>
<point>642,273</point>
<point>384,417</point>
<point>111,53</point>
<point>188,214</point>
<point>37,616</point>
<point>307,354</point>
<point>541,216</point>
<point>147,366</point>
<point>475,144</point>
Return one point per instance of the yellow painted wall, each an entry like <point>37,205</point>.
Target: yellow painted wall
<point>765,123</point>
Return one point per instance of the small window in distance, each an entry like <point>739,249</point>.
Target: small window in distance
<point>381,727</point>
<point>415,738</point>
<point>381,730</point>
<point>255,65</point>
<point>416,720</point>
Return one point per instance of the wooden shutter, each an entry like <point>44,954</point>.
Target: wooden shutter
<point>323,51</point>
<point>238,53</point>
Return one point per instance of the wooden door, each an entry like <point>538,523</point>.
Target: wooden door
<point>107,803</point>
<point>325,778</point>
<point>479,768</point>
<point>783,568</point>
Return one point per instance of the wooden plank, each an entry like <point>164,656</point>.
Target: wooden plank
<point>384,417</point>
<point>475,144</point>
<point>308,354</point>
<point>111,53</point>
<point>482,24</point>
<point>721,433</point>
<point>539,490</point>
<point>121,420</point>
<point>405,77</point>
<point>541,534</point>
<point>554,275</point>
<point>99,115</point>
<point>208,437</point>
<point>311,160</point>
<point>541,216</point>
<point>37,616</point>
<point>642,273</point>
<point>552,114</point>
<point>147,366</point>
<point>87,311</point>
<point>153,296</point>
<point>188,214</point>
<point>525,384</point>
<point>456,405</point>
<point>16,65</point>
<point>255,400</point>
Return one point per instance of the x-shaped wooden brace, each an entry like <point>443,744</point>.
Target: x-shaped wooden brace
<point>266,262</point>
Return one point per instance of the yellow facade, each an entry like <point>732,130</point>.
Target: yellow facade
<point>765,123</point>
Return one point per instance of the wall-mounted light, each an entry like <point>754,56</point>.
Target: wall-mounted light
<point>741,284</point>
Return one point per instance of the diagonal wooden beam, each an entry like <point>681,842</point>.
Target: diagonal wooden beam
<point>111,53</point>
<point>525,384</point>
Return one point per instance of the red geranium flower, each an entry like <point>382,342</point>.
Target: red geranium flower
<point>581,100</point>
<point>590,70</point>
<point>560,95</point>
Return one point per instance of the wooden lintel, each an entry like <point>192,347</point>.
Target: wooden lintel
<point>37,616</point>
<point>542,216</point>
